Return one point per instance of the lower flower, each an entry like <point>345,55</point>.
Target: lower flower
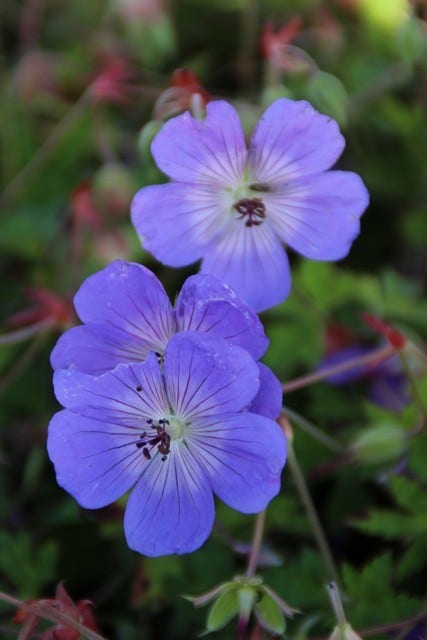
<point>177,431</point>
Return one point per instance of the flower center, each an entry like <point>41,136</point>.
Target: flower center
<point>161,436</point>
<point>252,210</point>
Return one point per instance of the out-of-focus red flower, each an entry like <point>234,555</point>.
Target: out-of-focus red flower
<point>84,212</point>
<point>273,42</point>
<point>34,76</point>
<point>327,31</point>
<point>279,53</point>
<point>180,95</point>
<point>395,337</point>
<point>337,337</point>
<point>112,83</point>
<point>185,82</point>
<point>81,612</point>
<point>49,307</point>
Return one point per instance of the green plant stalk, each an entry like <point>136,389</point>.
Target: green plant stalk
<point>313,431</point>
<point>45,149</point>
<point>311,513</point>
<point>414,386</point>
<point>256,544</point>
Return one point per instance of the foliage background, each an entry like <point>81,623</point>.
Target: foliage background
<point>362,62</point>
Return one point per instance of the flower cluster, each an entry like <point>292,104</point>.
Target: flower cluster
<point>171,402</point>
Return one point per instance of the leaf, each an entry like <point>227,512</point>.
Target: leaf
<point>408,494</point>
<point>418,456</point>
<point>414,559</point>
<point>372,598</point>
<point>393,525</point>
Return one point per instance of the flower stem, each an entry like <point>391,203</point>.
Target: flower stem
<point>313,431</point>
<point>334,597</point>
<point>310,510</point>
<point>20,335</point>
<point>256,544</point>
<point>44,150</point>
<point>416,395</point>
<point>373,358</point>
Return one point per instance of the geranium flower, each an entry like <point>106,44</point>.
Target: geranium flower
<point>127,315</point>
<point>177,432</point>
<point>235,207</point>
<point>387,383</point>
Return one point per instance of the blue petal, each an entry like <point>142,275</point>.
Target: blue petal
<point>209,152</point>
<point>206,375</point>
<point>171,509</point>
<point>130,298</point>
<point>96,463</point>
<point>175,222</point>
<point>318,216</point>
<point>128,395</point>
<point>97,348</point>
<point>268,400</point>
<point>243,456</point>
<point>208,305</point>
<point>291,140</point>
<point>253,262</point>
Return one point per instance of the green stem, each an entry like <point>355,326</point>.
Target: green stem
<point>44,150</point>
<point>334,597</point>
<point>248,43</point>
<point>313,431</point>
<point>310,510</point>
<point>373,358</point>
<point>413,384</point>
<point>256,544</point>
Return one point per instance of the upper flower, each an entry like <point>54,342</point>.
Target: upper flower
<point>235,207</point>
<point>176,431</point>
<point>127,315</point>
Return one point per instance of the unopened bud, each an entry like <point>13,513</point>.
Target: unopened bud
<point>379,444</point>
<point>344,632</point>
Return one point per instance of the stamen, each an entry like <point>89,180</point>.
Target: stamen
<point>260,186</point>
<point>253,209</point>
<point>162,439</point>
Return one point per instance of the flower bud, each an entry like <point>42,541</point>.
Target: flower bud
<point>241,597</point>
<point>344,632</point>
<point>113,188</point>
<point>328,94</point>
<point>380,444</point>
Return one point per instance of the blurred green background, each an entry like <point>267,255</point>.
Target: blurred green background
<point>85,86</point>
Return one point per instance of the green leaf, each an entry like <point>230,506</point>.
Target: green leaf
<point>408,494</point>
<point>269,615</point>
<point>418,456</point>
<point>393,525</point>
<point>372,597</point>
<point>414,559</point>
<point>224,609</point>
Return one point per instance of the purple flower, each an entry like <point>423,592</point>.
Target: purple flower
<point>127,315</point>
<point>235,207</point>
<point>176,432</point>
<point>388,385</point>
